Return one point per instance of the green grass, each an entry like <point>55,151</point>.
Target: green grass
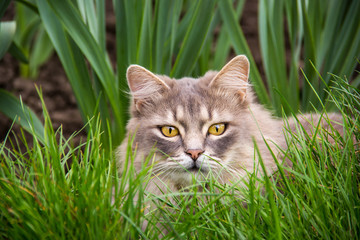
<point>57,191</point>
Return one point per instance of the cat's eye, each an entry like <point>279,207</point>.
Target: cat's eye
<point>169,131</point>
<point>217,129</point>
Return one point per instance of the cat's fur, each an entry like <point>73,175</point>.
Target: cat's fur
<point>192,106</point>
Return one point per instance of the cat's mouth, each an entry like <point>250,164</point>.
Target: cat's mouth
<point>195,169</point>
<point>191,166</point>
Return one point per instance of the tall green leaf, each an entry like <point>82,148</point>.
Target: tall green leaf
<point>3,6</point>
<point>7,32</point>
<point>194,38</point>
<point>72,61</point>
<point>241,47</point>
<point>99,61</point>
<point>17,111</point>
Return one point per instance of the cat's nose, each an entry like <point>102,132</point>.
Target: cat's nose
<point>194,153</point>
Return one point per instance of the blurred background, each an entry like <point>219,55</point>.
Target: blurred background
<point>177,38</point>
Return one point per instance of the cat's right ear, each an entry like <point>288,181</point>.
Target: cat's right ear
<point>144,84</point>
<point>233,76</point>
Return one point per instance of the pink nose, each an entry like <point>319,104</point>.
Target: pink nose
<point>194,153</point>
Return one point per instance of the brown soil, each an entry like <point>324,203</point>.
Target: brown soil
<point>57,92</point>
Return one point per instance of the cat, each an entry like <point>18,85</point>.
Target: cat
<point>201,126</point>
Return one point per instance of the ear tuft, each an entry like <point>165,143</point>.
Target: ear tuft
<point>233,76</point>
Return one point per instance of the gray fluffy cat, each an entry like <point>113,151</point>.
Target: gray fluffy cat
<point>200,126</point>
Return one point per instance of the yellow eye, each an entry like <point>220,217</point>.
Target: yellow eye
<point>217,129</point>
<point>169,131</point>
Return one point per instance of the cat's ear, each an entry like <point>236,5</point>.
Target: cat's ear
<point>233,76</point>
<point>144,84</point>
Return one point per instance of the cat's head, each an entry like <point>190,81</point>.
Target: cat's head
<point>194,123</point>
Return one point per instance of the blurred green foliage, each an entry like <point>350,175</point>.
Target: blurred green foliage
<point>187,38</point>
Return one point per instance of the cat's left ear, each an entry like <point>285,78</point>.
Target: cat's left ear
<point>144,85</point>
<point>234,76</point>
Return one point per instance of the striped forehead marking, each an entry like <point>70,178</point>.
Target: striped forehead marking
<point>180,114</point>
<point>204,113</point>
